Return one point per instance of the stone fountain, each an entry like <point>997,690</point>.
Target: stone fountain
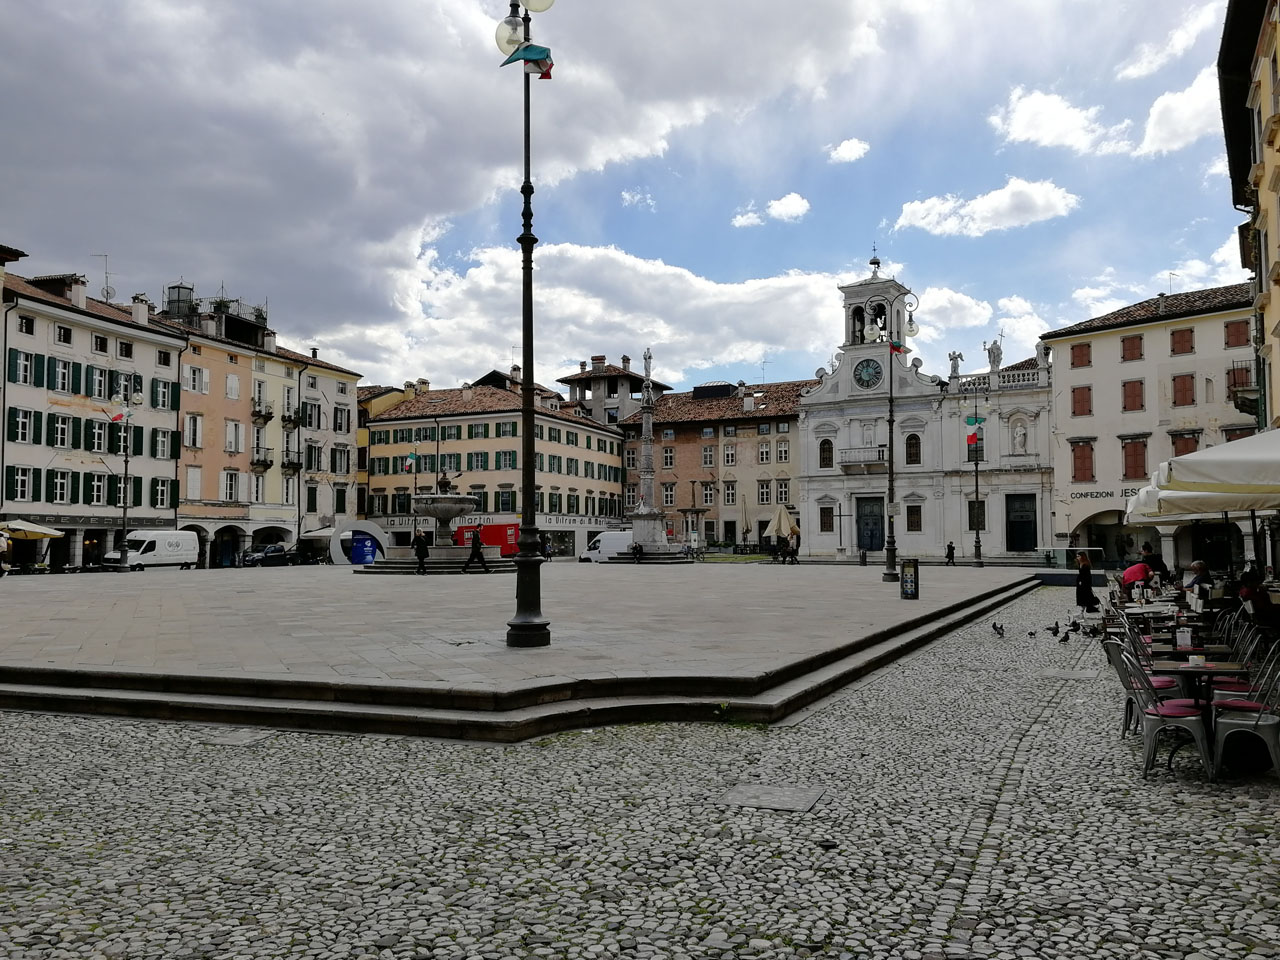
<point>444,506</point>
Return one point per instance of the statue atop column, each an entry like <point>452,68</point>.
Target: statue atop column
<point>995,353</point>
<point>648,524</point>
<point>955,356</point>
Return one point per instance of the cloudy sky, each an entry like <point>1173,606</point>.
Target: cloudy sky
<point>706,173</point>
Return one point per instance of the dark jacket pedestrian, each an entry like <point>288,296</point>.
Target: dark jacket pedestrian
<point>477,553</point>
<point>951,554</point>
<point>1154,561</point>
<point>422,550</point>
<point>1084,585</point>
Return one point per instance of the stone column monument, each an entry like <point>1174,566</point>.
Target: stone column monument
<point>648,525</point>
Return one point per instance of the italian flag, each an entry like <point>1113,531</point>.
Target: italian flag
<point>536,59</point>
<point>974,422</point>
<point>896,347</point>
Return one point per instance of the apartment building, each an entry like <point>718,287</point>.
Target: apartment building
<point>1137,386</point>
<point>1249,85</point>
<point>373,400</point>
<point>472,436</point>
<point>74,457</point>
<point>723,459</point>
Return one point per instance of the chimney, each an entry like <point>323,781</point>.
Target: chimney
<point>269,342</point>
<point>315,353</point>
<point>582,366</point>
<point>209,326</point>
<point>78,288</point>
<point>597,363</point>
<point>467,393</point>
<point>517,372</point>
<point>742,388</point>
<point>1160,301</point>
<point>748,402</point>
<point>141,309</point>
<point>423,385</point>
<point>410,389</point>
<point>626,362</point>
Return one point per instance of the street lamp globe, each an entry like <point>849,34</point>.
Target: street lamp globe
<point>538,6</point>
<point>117,399</point>
<point>510,35</point>
<point>137,399</point>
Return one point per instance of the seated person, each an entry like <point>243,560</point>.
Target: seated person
<point>1197,575</point>
<point>1138,574</point>
<point>1154,561</point>
<point>1251,590</point>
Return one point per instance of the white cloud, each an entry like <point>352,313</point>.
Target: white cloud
<point>1181,117</point>
<point>461,319</point>
<point>1017,204</point>
<point>943,310</point>
<point>747,218</point>
<point>1217,167</point>
<point>1150,57</point>
<point>1222,267</point>
<point>638,198</point>
<point>847,151</point>
<point>1021,326</point>
<point>1049,120</point>
<point>790,208</point>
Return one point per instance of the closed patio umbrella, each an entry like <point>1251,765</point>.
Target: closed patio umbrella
<point>25,530</point>
<point>1250,465</point>
<point>781,524</point>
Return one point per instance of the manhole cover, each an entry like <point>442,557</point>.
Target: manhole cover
<point>767,797</point>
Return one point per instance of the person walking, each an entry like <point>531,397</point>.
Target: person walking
<point>421,550</point>
<point>546,546</point>
<point>951,554</point>
<point>477,553</point>
<point>1085,598</point>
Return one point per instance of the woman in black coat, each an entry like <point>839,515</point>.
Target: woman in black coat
<point>1084,585</point>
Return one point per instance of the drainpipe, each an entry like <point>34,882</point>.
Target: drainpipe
<point>4,354</point>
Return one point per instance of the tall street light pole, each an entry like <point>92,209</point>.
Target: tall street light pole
<point>126,400</point>
<point>528,628</point>
<point>979,516</point>
<point>896,346</point>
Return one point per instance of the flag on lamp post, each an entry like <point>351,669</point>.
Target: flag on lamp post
<point>536,59</point>
<point>974,422</point>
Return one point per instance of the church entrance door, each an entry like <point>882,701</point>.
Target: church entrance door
<point>870,523</point>
<point>1020,522</point>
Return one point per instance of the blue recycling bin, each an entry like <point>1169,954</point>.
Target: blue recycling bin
<point>364,549</point>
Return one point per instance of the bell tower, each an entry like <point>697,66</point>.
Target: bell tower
<point>874,310</point>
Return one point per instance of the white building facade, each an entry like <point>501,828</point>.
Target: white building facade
<point>1133,388</point>
<point>939,497</point>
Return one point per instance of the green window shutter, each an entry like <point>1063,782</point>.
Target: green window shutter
<point>76,370</point>
<point>155,397</point>
<point>48,486</point>
<point>155,488</point>
<point>12,433</point>
<point>175,446</point>
<point>340,500</point>
<point>333,460</point>
<point>50,434</point>
<point>175,396</point>
<point>173,492</point>
<point>75,488</point>
<point>515,428</point>
<point>88,379</point>
<point>13,365</point>
<point>137,490</point>
<point>515,460</point>
<point>77,430</point>
<point>51,366</point>
<point>311,499</point>
<point>37,369</point>
<point>137,442</point>
<point>155,436</point>
<point>35,484</point>
<point>113,489</point>
<point>486,431</point>
<point>471,462</point>
<point>37,418</point>
<point>113,437</point>
<point>10,482</point>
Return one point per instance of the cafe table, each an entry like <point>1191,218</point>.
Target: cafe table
<point>1201,674</point>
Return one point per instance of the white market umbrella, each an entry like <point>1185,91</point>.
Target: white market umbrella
<point>1155,506</point>
<point>1250,465</point>
<point>25,530</point>
<point>324,533</point>
<point>781,524</point>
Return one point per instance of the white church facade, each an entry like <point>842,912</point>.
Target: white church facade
<point>875,406</point>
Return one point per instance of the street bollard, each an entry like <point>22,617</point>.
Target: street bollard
<point>862,558</point>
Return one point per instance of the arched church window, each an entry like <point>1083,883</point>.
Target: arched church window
<point>826,454</point>
<point>913,448</point>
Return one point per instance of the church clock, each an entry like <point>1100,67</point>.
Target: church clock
<point>867,373</point>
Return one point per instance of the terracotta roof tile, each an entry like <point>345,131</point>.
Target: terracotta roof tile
<point>1175,305</point>
<point>10,254</point>
<point>22,287</point>
<point>295,357</point>
<point>1027,364</point>
<point>370,390</point>
<point>771,400</point>
<point>608,370</point>
<point>484,399</point>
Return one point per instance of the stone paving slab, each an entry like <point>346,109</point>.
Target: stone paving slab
<point>323,623</point>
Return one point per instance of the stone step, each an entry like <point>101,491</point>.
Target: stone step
<point>485,713</point>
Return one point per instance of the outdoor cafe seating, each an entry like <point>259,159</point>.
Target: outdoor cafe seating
<point>1193,675</point>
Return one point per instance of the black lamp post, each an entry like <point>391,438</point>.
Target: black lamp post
<point>979,515</point>
<point>126,400</point>
<point>528,628</point>
<point>886,305</point>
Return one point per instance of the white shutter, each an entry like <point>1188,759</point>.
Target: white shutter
<point>244,488</point>
<point>230,444</point>
<point>188,377</point>
<point>193,484</point>
<point>233,386</point>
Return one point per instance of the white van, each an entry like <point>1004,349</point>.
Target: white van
<point>606,545</point>
<point>157,548</point>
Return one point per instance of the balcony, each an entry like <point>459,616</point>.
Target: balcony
<point>291,462</point>
<point>291,419</point>
<point>261,459</point>
<point>1242,387</point>
<point>263,413</point>
<point>863,459</point>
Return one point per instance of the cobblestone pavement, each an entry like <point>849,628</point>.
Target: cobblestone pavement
<point>971,807</point>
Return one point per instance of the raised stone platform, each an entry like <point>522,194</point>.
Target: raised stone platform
<point>307,648</point>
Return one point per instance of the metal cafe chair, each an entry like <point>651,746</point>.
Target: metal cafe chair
<point>1164,716</point>
<point>1163,686</point>
<point>1261,723</point>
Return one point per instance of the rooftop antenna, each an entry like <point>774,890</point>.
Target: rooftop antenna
<point>763,361</point>
<point>107,291</point>
<point>1171,276</point>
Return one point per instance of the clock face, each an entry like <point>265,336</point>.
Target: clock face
<point>867,373</point>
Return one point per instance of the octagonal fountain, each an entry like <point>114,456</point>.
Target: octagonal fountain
<point>445,506</point>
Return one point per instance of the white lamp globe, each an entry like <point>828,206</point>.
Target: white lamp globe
<point>538,6</point>
<point>117,399</point>
<point>509,35</point>
<point>137,399</point>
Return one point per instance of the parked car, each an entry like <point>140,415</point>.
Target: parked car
<point>157,548</point>
<point>272,555</point>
